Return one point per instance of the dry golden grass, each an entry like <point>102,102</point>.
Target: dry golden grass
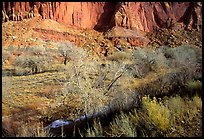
<point>97,130</point>
<point>172,117</point>
<point>123,127</point>
<point>158,114</point>
<point>30,130</point>
<point>36,92</point>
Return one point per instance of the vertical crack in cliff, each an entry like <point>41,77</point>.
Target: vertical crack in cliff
<point>73,17</point>
<point>157,19</point>
<point>105,20</point>
<point>121,16</point>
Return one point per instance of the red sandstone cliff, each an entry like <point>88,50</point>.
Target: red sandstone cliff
<point>144,16</point>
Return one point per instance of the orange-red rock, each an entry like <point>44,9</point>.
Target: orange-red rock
<point>144,16</point>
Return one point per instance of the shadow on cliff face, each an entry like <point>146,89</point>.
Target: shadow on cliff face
<point>191,15</point>
<point>105,18</point>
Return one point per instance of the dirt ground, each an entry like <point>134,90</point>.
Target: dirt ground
<point>30,31</point>
<point>174,38</point>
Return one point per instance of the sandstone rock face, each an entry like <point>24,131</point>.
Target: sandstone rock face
<point>144,16</point>
<point>135,38</point>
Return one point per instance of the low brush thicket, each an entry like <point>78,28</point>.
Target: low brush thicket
<point>93,83</point>
<point>5,56</point>
<point>166,117</point>
<point>34,59</point>
<point>29,64</point>
<point>90,80</point>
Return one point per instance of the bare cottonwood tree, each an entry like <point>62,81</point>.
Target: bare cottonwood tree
<point>66,50</point>
<point>34,58</point>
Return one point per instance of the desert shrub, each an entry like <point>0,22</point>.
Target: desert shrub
<point>183,55</point>
<point>194,86</point>
<point>5,56</point>
<point>122,126</point>
<point>82,77</point>
<point>140,53</point>
<point>188,58</point>
<point>111,76</point>
<point>151,56</point>
<point>70,51</point>
<point>35,50</point>
<point>197,102</point>
<point>162,49</point>
<point>164,57</point>
<point>158,114</point>
<point>176,106</point>
<point>53,55</point>
<point>185,112</point>
<point>195,106</point>
<point>81,84</point>
<point>55,67</point>
<point>37,58</point>
<point>96,131</point>
<point>167,51</point>
<point>143,61</point>
<point>35,63</point>
<point>30,130</point>
<point>119,56</point>
<point>138,70</point>
<point>12,48</point>
<point>90,80</point>
<point>174,116</point>
<point>21,71</point>
<point>198,53</point>
<point>160,61</point>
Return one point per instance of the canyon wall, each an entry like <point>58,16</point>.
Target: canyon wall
<point>144,16</point>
